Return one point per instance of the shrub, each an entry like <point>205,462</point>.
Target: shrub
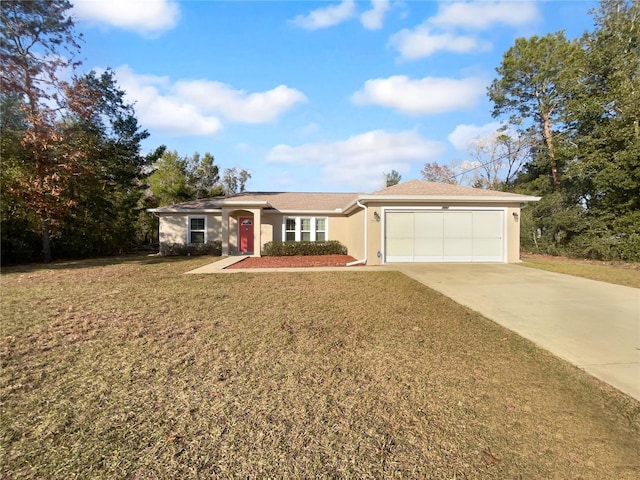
<point>288,249</point>
<point>209,248</point>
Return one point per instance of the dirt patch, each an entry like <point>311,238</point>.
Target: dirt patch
<point>294,261</point>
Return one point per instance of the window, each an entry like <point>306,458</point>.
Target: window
<point>197,230</point>
<point>305,229</point>
<point>321,229</point>
<point>290,230</point>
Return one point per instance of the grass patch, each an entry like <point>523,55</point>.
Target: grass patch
<point>130,369</point>
<point>619,273</point>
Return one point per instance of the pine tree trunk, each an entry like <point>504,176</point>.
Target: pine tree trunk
<point>546,126</point>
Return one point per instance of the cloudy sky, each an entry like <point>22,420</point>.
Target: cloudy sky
<point>314,96</point>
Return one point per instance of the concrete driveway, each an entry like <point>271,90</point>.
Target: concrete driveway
<point>594,325</point>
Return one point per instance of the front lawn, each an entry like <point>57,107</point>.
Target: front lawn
<point>128,369</point>
<point>620,273</point>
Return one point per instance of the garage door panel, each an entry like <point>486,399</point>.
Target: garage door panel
<point>458,225</point>
<point>400,247</point>
<point>458,247</point>
<point>428,225</point>
<point>431,247</point>
<point>487,249</point>
<point>487,224</point>
<point>400,224</point>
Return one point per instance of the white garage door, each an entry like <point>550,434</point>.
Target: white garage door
<point>444,236</point>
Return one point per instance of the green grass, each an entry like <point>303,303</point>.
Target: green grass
<point>128,369</point>
<point>620,273</point>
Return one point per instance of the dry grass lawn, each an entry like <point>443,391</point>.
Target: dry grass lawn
<point>620,273</point>
<point>125,368</point>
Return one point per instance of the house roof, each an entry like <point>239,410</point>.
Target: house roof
<point>423,187</point>
<point>341,202</point>
<point>281,201</point>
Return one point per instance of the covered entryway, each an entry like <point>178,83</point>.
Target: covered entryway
<point>444,236</point>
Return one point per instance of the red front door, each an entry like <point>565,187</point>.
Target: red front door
<point>245,234</point>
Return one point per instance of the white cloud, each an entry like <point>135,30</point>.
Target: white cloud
<point>483,15</point>
<point>327,16</point>
<point>372,19</point>
<point>463,134</point>
<point>157,110</point>
<point>442,31</point>
<point>422,42</point>
<point>186,107</point>
<point>146,17</point>
<point>361,159</point>
<point>424,96</point>
<point>238,105</point>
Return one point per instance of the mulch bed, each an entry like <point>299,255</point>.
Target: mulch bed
<point>294,261</point>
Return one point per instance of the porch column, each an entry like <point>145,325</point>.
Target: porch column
<point>257,229</point>
<point>225,232</point>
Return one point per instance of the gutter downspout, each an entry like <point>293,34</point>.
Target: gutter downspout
<point>366,238</point>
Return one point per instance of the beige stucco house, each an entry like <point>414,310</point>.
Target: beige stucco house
<point>415,221</point>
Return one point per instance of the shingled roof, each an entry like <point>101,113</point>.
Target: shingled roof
<point>337,202</point>
<point>423,187</point>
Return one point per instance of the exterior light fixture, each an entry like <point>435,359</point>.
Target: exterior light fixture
<point>515,216</point>
<point>376,217</point>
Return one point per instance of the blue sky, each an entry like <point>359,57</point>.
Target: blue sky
<point>314,96</point>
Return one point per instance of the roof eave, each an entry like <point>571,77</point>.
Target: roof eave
<point>184,210</point>
<point>337,211</point>
<point>244,203</point>
<point>447,198</point>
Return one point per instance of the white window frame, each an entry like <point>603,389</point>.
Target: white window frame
<point>298,228</point>
<point>285,230</point>
<point>189,230</point>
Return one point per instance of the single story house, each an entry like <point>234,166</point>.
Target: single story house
<point>415,221</point>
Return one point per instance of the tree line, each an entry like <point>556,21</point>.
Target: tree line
<point>571,134</point>
<point>74,180</point>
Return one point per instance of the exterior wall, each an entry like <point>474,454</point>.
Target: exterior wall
<point>512,227</point>
<point>348,230</point>
<point>356,234</point>
<point>271,229</point>
<point>513,234</point>
<point>173,228</point>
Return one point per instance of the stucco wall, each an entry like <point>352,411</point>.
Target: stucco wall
<point>513,234</point>
<point>347,230</point>
<point>174,227</point>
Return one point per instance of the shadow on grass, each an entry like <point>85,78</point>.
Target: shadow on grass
<point>131,259</point>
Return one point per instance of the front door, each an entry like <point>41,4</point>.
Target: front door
<point>245,234</point>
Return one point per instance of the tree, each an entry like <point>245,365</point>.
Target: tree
<point>439,173</point>
<point>535,78</point>
<point>496,159</point>
<point>102,133</point>
<point>169,182</point>
<point>392,178</point>
<point>591,97</point>
<point>37,41</point>
<point>204,176</point>
<point>235,180</point>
